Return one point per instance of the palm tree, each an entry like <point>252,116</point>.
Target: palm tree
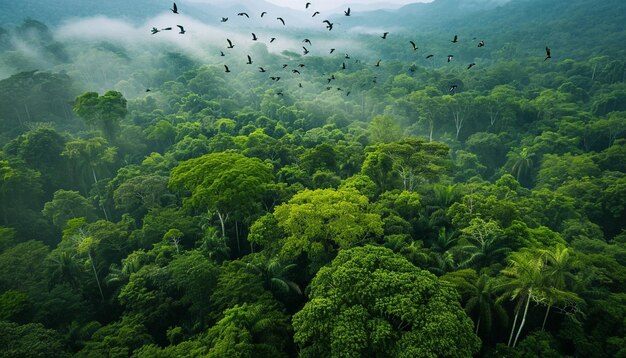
<point>523,164</point>
<point>484,303</point>
<point>62,266</point>
<point>274,274</point>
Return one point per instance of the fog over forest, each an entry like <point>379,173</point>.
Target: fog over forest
<point>215,178</point>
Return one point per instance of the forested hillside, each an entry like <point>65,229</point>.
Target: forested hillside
<point>382,190</point>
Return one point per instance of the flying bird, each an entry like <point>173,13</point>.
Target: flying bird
<point>329,25</point>
<point>227,69</point>
<point>182,29</point>
<point>455,39</point>
<point>166,29</point>
<point>332,50</point>
<point>275,78</point>
<point>281,20</point>
<point>285,66</point>
<point>347,12</point>
<point>471,65</point>
<point>481,43</point>
<point>450,57</point>
<point>547,53</point>
<point>307,41</point>
<point>295,71</point>
<point>306,6</point>
<point>300,84</point>
<point>224,19</point>
<point>148,90</point>
<point>343,65</point>
<point>347,57</point>
<point>384,36</point>
<point>452,89</point>
<point>315,13</point>
<point>429,56</point>
<point>414,45</point>
<point>174,9</point>
<point>348,93</point>
<point>261,69</point>
<point>230,44</point>
<point>263,13</point>
<point>222,53</point>
<point>301,65</point>
<point>272,39</point>
<point>254,38</point>
<point>305,50</point>
<point>154,30</point>
<point>378,63</point>
<point>243,14</point>
<point>249,60</point>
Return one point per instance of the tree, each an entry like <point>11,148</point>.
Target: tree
<point>104,111</point>
<point>30,340</point>
<point>384,129</point>
<point>373,302</point>
<point>66,205</point>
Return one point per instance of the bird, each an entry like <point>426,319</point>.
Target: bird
<point>230,44</point>
<point>285,65</point>
<point>222,53</point>
<point>384,36</point>
<point>471,65</point>
<point>166,29</point>
<point>174,9</point>
<point>227,69</point>
<point>547,53</point>
<point>148,90</point>
<point>481,43</point>
<point>306,6</point>
<point>261,69</point>
<point>348,93</point>
<point>332,50</point>
<point>182,29</point>
<point>301,65</point>
<point>455,39</point>
<point>414,45</point>
<point>224,19</point>
<point>315,13</point>
<point>295,71</point>
<point>450,57</point>
<point>300,84</point>
<point>272,39</point>
<point>154,30</point>
<point>378,63</point>
<point>249,60</point>
<point>275,78</point>
<point>347,12</point>
<point>343,65</point>
<point>329,25</point>
<point>243,14</point>
<point>429,56</point>
<point>281,20</point>
<point>347,57</point>
<point>305,50</point>
<point>329,88</point>
<point>339,89</point>
<point>307,41</point>
<point>263,13</point>
<point>254,38</point>
<point>452,88</point>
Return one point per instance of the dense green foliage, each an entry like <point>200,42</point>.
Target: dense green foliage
<point>379,213</point>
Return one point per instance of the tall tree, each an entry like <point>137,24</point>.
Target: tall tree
<point>104,112</point>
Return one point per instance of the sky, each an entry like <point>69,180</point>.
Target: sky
<point>334,4</point>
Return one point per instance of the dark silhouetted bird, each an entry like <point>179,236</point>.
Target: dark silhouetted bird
<point>227,69</point>
<point>450,57</point>
<point>301,65</point>
<point>329,88</point>
<point>429,56</point>
<point>275,78</point>
<point>414,45</point>
<point>285,65</point>
<point>305,50</point>
<point>261,69</point>
<point>222,53</point>
<point>272,39</point>
<point>347,12</point>
<point>224,19</point>
<point>281,20</point>
<point>347,57</point>
<point>174,9</point>
<point>455,39</point>
<point>166,29</point>
<point>481,43</point>
<point>307,41</point>
<point>306,6</point>
<point>343,65</point>
<point>263,13</point>
<point>339,89</point>
<point>295,71</point>
<point>547,53</point>
<point>254,38</point>
<point>329,25</point>
<point>471,65</point>
<point>154,30</point>
<point>230,44</point>
<point>452,89</point>
<point>243,14</point>
<point>182,29</point>
<point>249,60</point>
<point>332,50</point>
<point>384,36</point>
<point>300,84</point>
<point>348,93</point>
<point>378,63</point>
<point>315,13</point>
<point>148,90</point>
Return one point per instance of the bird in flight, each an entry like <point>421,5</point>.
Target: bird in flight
<point>471,65</point>
<point>295,71</point>
<point>305,50</point>
<point>263,13</point>
<point>261,69</point>
<point>329,25</point>
<point>414,45</point>
<point>154,30</point>
<point>452,89</point>
<point>343,65</point>
<point>307,41</point>
<point>254,38</point>
<point>222,53</point>
<point>230,44</point>
<point>148,90</point>
<point>182,29</point>
<point>281,20</point>
<point>481,43</point>
<point>166,29</point>
<point>301,65</point>
<point>455,39</point>
<point>332,50</point>
<point>547,53</point>
<point>306,6</point>
<point>429,56</point>
<point>378,63</point>
<point>272,39</point>
<point>224,19</point>
<point>227,69</point>
<point>384,36</point>
<point>315,13</point>
<point>174,9</point>
<point>249,60</point>
<point>285,65</point>
<point>347,57</point>
<point>347,12</point>
<point>243,14</point>
<point>275,78</point>
<point>450,57</point>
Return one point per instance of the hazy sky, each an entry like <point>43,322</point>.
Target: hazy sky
<point>333,4</point>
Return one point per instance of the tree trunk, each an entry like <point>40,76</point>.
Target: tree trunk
<point>223,219</point>
<point>545,318</point>
<point>521,325</point>
<point>513,327</point>
<point>95,274</point>
<point>95,180</point>
<point>477,325</point>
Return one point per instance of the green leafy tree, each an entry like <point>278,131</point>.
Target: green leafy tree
<point>66,205</point>
<point>104,111</point>
<point>372,302</point>
<point>30,340</point>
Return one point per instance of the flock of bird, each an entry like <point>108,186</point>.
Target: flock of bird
<point>329,26</point>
